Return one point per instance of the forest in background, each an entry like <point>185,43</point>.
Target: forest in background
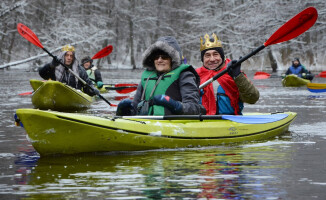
<point>132,25</point>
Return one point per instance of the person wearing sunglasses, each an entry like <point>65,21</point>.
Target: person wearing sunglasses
<point>167,86</point>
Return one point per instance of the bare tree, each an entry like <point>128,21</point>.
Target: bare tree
<point>132,25</point>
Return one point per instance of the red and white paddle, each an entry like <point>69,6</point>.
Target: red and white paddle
<point>31,37</point>
<point>291,29</point>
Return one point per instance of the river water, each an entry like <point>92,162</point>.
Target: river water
<point>292,166</point>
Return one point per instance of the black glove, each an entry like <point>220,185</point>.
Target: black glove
<point>96,91</point>
<point>125,108</point>
<point>235,70</point>
<point>55,62</point>
<point>174,106</point>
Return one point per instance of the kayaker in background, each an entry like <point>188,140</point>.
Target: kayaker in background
<point>93,73</point>
<point>231,90</point>
<point>55,71</point>
<point>298,69</point>
<point>167,86</point>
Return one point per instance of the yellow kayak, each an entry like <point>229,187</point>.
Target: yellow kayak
<point>294,81</point>
<point>53,132</point>
<point>316,87</point>
<point>58,96</point>
<point>37,83</point>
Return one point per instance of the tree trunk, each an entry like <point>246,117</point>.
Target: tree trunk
<point>272,61</point>
<point>131,39</point>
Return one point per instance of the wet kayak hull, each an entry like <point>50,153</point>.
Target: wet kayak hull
<point>58,96</point>
<point>294,81</point>
<point>67,133</point>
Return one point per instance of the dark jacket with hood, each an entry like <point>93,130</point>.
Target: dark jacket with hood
<point>296,69</point>
<point>187,86</point>
<point>57,72</point>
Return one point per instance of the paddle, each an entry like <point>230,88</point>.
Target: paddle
<point>123,88</point>
<point>31,37</point>
<point>25,93</point>
<point>261,75</point>
<point>102,53</point>
<point>322,74</point>
<point>291,29</point>
<point>246,119</point>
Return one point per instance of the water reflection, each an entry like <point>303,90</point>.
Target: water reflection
<point>221,173</point>
<point>25,163</point>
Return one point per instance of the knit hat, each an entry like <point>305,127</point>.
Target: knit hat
<point>86,59</point>
<point>218,49</point>
<point>296,59</point>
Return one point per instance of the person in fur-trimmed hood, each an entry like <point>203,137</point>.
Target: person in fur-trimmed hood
<point>167,86</point>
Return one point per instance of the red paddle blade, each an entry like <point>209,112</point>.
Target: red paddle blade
<point>25,93</point>
<point>126,88</point>
<point>261,75</point>
<point>28,35</point>
<point>104,52</point>
<point>126,84</point>
<point>322,74</point>
<point>294,27</point>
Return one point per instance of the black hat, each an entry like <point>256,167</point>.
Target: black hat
<point>86,59</point>
<point>296,59</point>
<point>218,49</point>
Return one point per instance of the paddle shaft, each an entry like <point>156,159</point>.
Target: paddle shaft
<point>77,76</point>
<point>231,66</point>
<point>173,117</point>
<point>120,88</point>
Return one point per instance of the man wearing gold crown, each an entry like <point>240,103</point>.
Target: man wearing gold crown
<point>233,88</point>
<point>55,71</point>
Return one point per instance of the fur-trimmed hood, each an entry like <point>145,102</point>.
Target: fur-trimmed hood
<point>167,44</point>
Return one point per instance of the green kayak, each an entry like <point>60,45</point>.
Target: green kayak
<point>53,132</point>
<point>37,83</point>
<point>294,81</point>
<point>58,96</point>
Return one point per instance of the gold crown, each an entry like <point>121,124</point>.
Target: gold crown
<point>68,48</point>
<point>208,44</point>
